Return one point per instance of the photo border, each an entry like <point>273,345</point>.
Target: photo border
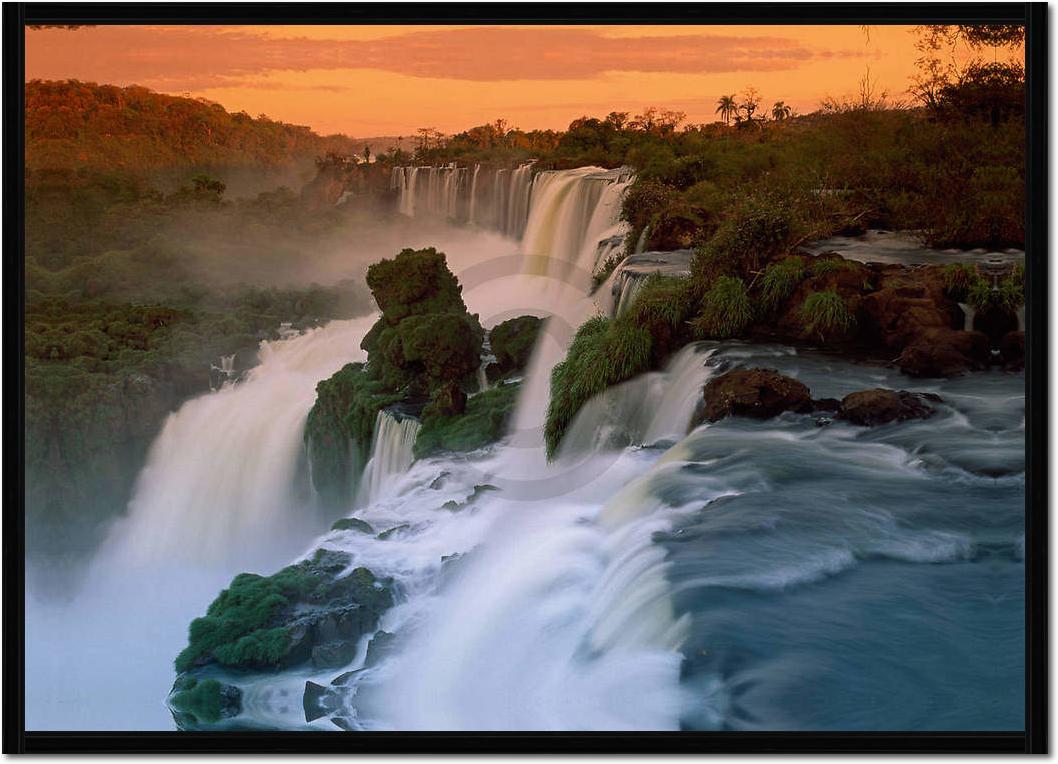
<point>1035,737</point>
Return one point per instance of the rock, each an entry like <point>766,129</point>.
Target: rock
<point>826,404</point>
<point>386,534</point>
<point>881,406</point>
<point>759,393</point>
<point>352,524</point>
<point>379,647</point>
<point>944,353</point>
<point>1012,351</point>
<point>334,654</point>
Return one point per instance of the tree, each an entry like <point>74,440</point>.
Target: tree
<point>727,108</point>
<point>780,111</point>
<point>750,103</point>
<point>367,153</point>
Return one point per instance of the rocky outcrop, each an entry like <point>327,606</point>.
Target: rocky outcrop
<point>512,343</point>
<point>943,352</point>
<point>314,611</point>
<point>1012,351</point>
<point>758,393</point>
<point>881,406</point>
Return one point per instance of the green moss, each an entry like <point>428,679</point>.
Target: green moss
<point>484,422</point>
<point>824,313</point>
<point>779,281</point>
<point>200,699</point>
<point>602,353</point>
<point>726,309</point>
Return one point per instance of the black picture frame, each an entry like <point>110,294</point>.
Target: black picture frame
<point>1034,739</point>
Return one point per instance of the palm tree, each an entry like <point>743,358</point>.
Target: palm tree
<point>780,111</point>
<point>726,108</point>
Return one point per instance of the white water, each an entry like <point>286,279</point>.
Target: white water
<point>219,485</point>
<point>391,455</point>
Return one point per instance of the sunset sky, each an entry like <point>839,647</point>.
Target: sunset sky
<point>390,80</point>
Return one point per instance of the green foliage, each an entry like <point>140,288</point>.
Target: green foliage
<point>779,281</point>
<point>603,353</point>
<point>484,422</point>
<point>958,279</point>
<point>415,282</point>
<point>339,428</point>
<point>512,341</point>
<point>1012,289</point>
<point>243,627</point>
<point>200,699</point>
<point>825,313</point>
<point>823,266</point>
<point>726,309</point>
<point>352,524</point>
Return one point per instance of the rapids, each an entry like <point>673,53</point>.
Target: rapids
<point>796,573</point>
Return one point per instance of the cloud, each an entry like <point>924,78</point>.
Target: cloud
<point>196,58</point>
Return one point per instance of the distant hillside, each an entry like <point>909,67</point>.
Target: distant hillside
<point>73,125</point>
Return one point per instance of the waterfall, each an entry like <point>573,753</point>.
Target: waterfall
<point>472,204</point>
<point>391,454</point>
<point>968,316</point>
<point>571,211</point>
<point>220,484</point>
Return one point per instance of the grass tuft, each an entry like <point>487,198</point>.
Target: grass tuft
<point>726,309</point>
<point>825,313</point>
<point>780,280</point>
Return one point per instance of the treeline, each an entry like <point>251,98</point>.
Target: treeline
<point>72,125</point>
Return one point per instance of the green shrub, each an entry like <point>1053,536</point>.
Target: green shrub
<point>760,228</point>
<point>780,280</point>
<point>603,353</point>
<point>981,294</point>
<point>726,309</point>
<point>825,313</point>
<point>415,282</point>
<point>662,299</point>
<point>484,422</point>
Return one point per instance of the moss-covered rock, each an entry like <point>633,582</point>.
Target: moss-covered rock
<point>352,524</point>
<point>483,422</point>
<point>287,618</point>
<point>339,429</point>
<point>415,282</point>
<point>512,343</point>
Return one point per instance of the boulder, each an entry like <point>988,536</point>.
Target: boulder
<point>881,406</point>
<point>944,353</point>
<point>759,393</point>
<point>352,524</point>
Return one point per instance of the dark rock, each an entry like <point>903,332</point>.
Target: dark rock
<point>944,353</point>
<point>759,393</point>
<point>342,723</point>
<point>333,654</point>
<point>881,406</point>
<point>995,321</point>
<point>826,404</point>
<point>379,647</point>
<point>319,701</point>
<point>393,531</point>
<point>352,524</point>
<point>1012,351</point>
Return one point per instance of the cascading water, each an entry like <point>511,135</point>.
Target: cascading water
<point>220,485</point>
<point>391,454</point>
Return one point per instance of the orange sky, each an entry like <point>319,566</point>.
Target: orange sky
<point>389,80</point>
